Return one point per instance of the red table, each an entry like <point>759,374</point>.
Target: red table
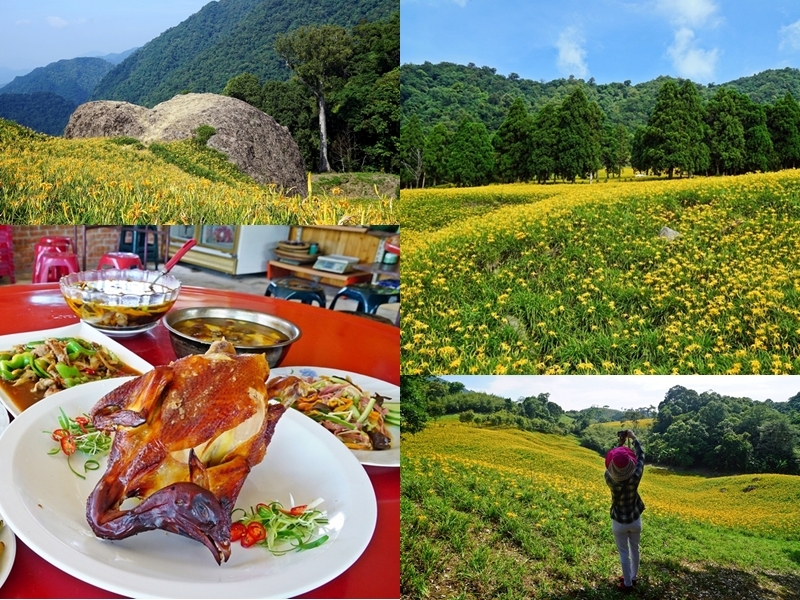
<point>329,339</point>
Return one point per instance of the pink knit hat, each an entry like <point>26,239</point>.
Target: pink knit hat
<point>621,463</point>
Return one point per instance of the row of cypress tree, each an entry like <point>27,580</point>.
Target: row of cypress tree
<point>730,134</point>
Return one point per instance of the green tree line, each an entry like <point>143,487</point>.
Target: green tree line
<point>691,430</point>
<point>573,138</point>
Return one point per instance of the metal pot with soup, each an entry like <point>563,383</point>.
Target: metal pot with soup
<point>193,330</point>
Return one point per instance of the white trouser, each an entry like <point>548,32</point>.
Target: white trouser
<point>627,538</point>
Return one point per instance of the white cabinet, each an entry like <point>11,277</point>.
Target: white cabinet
<point>232,249</point>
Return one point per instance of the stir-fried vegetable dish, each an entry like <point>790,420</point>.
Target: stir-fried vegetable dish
<point>29,372</point>
<point>357,417</point>
<point>236,331</point>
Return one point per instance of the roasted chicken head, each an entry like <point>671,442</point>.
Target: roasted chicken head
<point>186,436</point>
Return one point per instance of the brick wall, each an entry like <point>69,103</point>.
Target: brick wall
<point>98,242</point>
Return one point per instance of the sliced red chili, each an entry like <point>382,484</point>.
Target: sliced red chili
<point>295,511</point>
<point>59,434</point>
<point>256,531</point>
<point>248,540</point>
<point>237,531</point>
<point>68,445</point>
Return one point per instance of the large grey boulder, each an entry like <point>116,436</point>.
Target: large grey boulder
<point>252,140</point>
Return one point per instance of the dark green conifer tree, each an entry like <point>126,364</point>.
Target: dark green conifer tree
<point>471,159</point>
<point>512,144</point>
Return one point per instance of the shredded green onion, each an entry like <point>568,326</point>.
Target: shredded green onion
<point>287,532</point>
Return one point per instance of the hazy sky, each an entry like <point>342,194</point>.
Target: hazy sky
<point>610,40</point>
<point>34,33</point>
<point>574,392</point>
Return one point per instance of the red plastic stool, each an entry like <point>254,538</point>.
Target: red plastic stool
<point>63,243</point>
<point>7,264</point>
<point>120,260</point>
<point>51,264</point>
<point>51,244</point>
<point>6,253</point>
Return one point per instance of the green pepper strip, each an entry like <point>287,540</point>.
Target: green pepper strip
<point>67,372</point>
<point>75,347</point>
<point>7,367</point>
<point>39,366</point>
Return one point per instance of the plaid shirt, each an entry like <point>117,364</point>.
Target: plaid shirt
<point>626,504</point>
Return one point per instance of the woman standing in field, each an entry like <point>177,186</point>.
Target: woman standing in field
<point>623,473</point>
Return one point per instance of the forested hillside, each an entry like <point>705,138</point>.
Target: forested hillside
<point>73,79</point>
<point>446,92</point>
<point>222,40</point>
<point>44,112</point>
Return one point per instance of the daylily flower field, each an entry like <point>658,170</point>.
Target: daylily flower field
<point>51,180</point>
<point>502,513</point>
<point>576,279</point>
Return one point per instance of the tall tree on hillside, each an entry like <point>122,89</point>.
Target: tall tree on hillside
<point>783,121</point>
<point>317,55</point>
<point>368,105</point>
<point>412,149</point>
<point>640,159</point>
<point>758,144</point>
<point>615,148</point>
<point>675,133</point>
<point>471,158</point>
<point>579,134</point>
<point>544,139</point>
<point>513,144</point>
<point>436,155</point>
<point>292,105</point>
<point>726,141</point>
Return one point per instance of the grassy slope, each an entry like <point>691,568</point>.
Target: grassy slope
<point>53,180</point>
<point>509,514</point>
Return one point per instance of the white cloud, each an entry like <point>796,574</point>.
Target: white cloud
<point>22,22</point>
<point>790,36</point>
<point>689,61</point>
<point>571,54</point>
<point>688,13</point>
<point>57,22</point>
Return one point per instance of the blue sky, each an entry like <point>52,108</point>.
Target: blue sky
<point>610,40</point>
<point>574,392</point>
<point>34,33</point>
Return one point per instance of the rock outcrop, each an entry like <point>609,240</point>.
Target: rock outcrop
<point>254,141</point>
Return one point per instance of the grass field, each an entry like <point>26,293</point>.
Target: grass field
<point>575,279</point>
<point>52,180</point>
<point>511,514</point>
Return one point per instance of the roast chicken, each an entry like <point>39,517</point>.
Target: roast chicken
<point>186,436</point>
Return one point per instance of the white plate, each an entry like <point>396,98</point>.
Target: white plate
<point>376,458</point>
<point>79,330</point>
<point>8,553</point>
<point>3,418</point>
<point>44,503</point>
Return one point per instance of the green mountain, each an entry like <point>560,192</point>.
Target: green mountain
<point>41,111</point>
<point>73,79</point>
<point>444,92</point>
<point>222,40</point>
